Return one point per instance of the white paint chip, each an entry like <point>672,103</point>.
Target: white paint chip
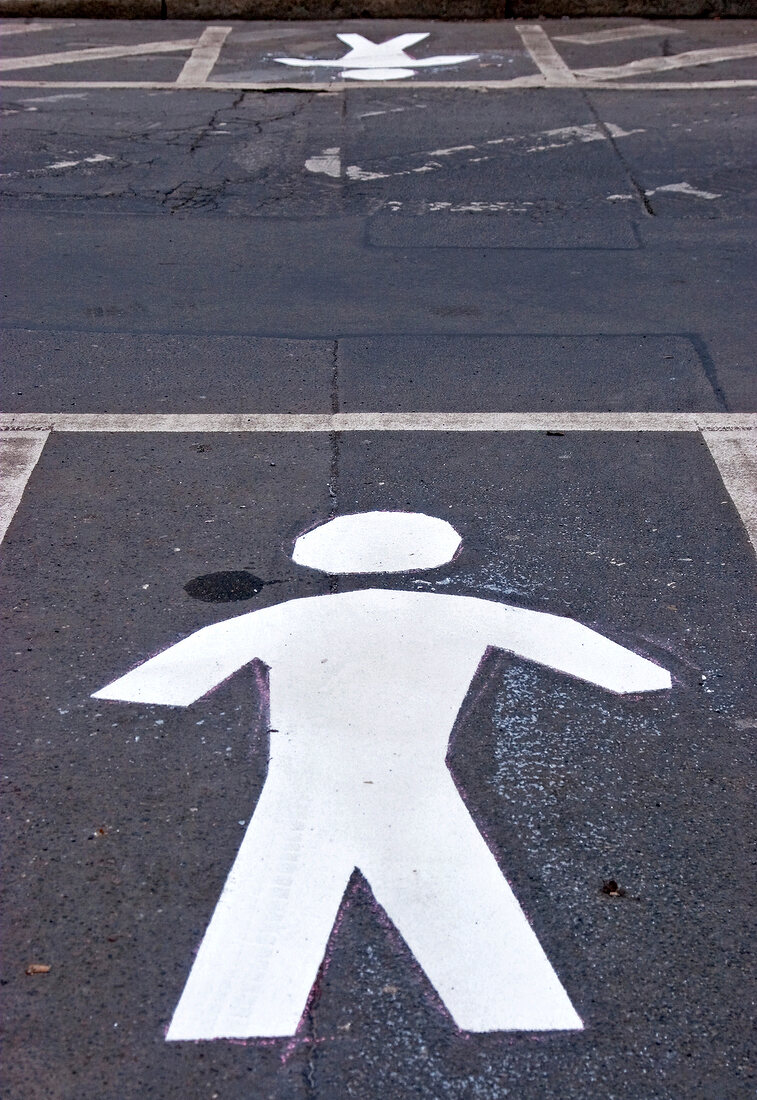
<point>327,163</point>
<point>354,172</point>
<point>450,151</point>
<point>393,111</point>
<point>684,189</point>
<point>96,158</point>
<point>570,135</point>
<point>420,207</point>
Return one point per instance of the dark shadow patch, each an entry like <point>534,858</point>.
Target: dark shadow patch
<point>224,587</point>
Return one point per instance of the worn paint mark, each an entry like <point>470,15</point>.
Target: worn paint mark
<point>571,135</point>
<point>354,172</point>
<point>30,28</point>
<point>327,163</point>
<point>393,111</point>
<point>450,151</point>
<point>544,141</point>
<point>689,59</point>
<point>684,189</point>
<point>618,34</point>
<point>55,98</point>
<point>421,207</point>
<point>96,158</point>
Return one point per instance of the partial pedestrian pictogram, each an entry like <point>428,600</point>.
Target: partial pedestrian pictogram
<point>366,60</point>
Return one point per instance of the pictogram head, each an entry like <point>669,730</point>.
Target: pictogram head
<point>378,542</point>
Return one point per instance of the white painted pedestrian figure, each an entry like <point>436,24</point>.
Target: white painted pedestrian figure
<point>366,60</point>
<point>365,688</point>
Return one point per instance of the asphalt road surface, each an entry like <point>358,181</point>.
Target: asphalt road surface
<point>504,279</point>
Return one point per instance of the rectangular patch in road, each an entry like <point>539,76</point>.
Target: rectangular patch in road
<point>517,371</point>
<point>125,818</point>
<point>541,225</point>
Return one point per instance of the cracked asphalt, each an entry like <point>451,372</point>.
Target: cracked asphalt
<point>353,250</point>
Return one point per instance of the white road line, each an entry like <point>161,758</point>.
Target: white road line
<point>55,98</point>
<point>595,38</point>
<point>689,59</point>
<point>736,459</point>
<point>381,422</point>
<point>544,55</point>
<point>731,437</point>
<point>420,207</point>
<point>543,142</point>
<point>199,65</point>
<point>684,189</point>
<point>29,28</point>
<point>336,87</point>
<point>99,53</point>
<point>18,457</point>
<point>97,158</point>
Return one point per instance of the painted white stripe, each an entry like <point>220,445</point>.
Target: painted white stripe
<point>29,28</point>
<point>544,55</point>
<point>736,459</point>
<point>684,189</point>
<point>617,34</point>
<point>537,80</point>
<point>54,98</point>
<point>99,53</point>
<point>200,63</point>
<point>18,457</point>
<point>731,437</point>
<point>381,422</point>
<point>544,141</point>
<point>687,60</point>
<point>419,207</point>
<point>97,158</point>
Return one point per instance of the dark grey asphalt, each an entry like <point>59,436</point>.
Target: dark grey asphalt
<point>123,246</point>
<point>196,272</point>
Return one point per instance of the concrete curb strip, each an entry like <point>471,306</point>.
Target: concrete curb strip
<point>376,9</point>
